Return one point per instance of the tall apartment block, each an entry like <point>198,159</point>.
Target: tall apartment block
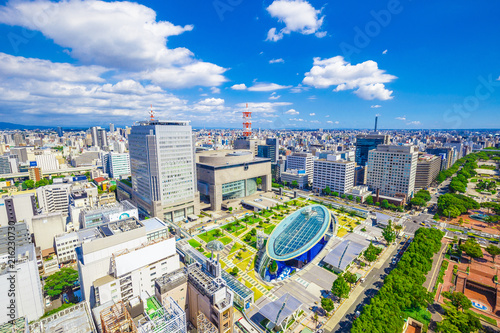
<point>120,260</point>
<point>428,167</point>
<point>391,170</point>
<point>163,169</point>
<point>334,173</point>
<point>301,161</point>
<point>54,198</point>
<point>202,293</point>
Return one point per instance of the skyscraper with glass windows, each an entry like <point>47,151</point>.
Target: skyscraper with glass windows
<point>163,170</point>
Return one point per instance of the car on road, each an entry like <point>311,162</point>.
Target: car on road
<point>357,314</point>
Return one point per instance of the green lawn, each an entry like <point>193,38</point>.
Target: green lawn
<point>269,229</point>
<point>236,247</point>
<point>242,265</point>
<point>257,294</point>
<point>267,214</point>
<point>422,315</point>
<point>232,227</point>
<point>225,240</point>
<point>248,284</point>
<point>252,220</point>
<point>341,233</point>
<point>194,243</point>
<point>209,236</point>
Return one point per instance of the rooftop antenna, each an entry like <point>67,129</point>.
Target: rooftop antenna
<point>151,113</point>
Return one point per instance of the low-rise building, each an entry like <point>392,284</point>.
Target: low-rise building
<point>290,177</point>
<point>227,175</point>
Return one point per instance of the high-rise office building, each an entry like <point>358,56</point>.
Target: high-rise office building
<point>428,167</point>
<point>111,128</point>
<point>334,173</point>
<point>162,164</point>
<point>269,150</point>
<point>367,142</point>
<point>301,161</point>
<point>117,165</point>
<point>392,170</point>
<point>99,137</point>
<point>59,132</point>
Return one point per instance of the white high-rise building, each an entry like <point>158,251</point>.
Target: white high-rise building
<point>117,165</point>
<point>392,170</point>
<point>20,286</point>
<point>334,173</point>
<point>47,162</point>
<point>163,169</point>
<point>301,161</point>
<point>123,259</point>
<point>54,198</point>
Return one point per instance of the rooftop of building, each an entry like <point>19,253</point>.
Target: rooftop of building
<point>217,158</point>
<point>75,319</point>
<point>298,232</point>
<point>163,123</point>
<point>117,227</point>
<point>18,325</point>
<point>110,208</point>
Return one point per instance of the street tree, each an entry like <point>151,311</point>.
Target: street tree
<point>340,288</point>
<point>388,233</point>
<point>472,248</point>
<point>493,251</point>
<point>327,304</point>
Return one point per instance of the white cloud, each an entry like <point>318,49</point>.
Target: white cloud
<point>299,88</point>
<point>115,35</point>
<point>259,87</point>
<point>330,122</point>
<point>374,91</point>
<point>276,61</point>
<point>314,121</point>
<point>215,90</point>
<point>240,86</point>
<point>292,112</point>
<point>266,108</point>
<point>403,118</point>
<point>376,106</point>
<point>45,70</point>
<point>267,87</point>
<point>296,119</point>
<point>298,16</point>
<point>337,122</point>
<point>274,96</point>
<point>366,79</point>
<point>327,116</point>
<point>212,101</point>
<point>414,123</point>
<point>312,114</point>
<point>384,52</point>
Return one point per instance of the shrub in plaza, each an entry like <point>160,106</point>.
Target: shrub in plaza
<point>402,289</point>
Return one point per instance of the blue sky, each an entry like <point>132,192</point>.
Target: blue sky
<point>297,63</point>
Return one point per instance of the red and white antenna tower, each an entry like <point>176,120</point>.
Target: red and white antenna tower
<point>247,122</point>
<point>151,113</point>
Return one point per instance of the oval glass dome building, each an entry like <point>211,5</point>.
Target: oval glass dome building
<point>297,240</point>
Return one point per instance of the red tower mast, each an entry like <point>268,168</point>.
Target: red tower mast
<point>247,122</point>
<point>151,114</point>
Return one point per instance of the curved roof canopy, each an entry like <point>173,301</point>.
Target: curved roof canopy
<point>298,233</point>
<point>215,245</point>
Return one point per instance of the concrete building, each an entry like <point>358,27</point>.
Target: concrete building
<point>20,285</point>
<point>428,167</point>
<point>84,196</point>
<point>200,291</point>
<point>46,161</point>
<point>247,143</point>
<point>334,173</point>
<point>117,165</point>
<point>18,208</point>
<point>76,318</point>
<point>46,227</point>
<point>17,233</point>
<point>269,150</point>
<point>35,174</point>
<point>120,262</point>
<point>446,153</point>
<point>361,192</point>
<point>95,216</point>
<point>54,198</point>
<point>391,170</point>
<point>227,175</point>
<point>301,161</point>
<point>163,169</point>
<point>291,176</point>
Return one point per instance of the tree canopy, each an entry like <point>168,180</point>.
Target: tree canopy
<point>60,281</point>
<point>340,288</point>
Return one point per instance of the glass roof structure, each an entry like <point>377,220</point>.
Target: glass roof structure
<point>298,233</point>
<point>344,254</point>
<point>215,245</point>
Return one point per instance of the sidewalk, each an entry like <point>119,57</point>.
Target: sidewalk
<point>342,309</point>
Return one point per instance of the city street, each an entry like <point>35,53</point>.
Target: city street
<point>373,282</point>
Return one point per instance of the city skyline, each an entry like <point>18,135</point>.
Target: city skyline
<point>297,64</point>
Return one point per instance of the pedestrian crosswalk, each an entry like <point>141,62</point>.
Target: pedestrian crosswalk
<point>302,282</point>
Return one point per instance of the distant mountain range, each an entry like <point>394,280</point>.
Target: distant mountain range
<point>11,126</point>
